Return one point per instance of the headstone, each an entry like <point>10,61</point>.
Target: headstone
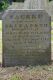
<point>26,37</point>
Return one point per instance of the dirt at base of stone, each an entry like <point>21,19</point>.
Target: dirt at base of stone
<point>43,72</point>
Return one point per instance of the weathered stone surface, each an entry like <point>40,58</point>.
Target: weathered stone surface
<point>34,4</point>
<point>16,5</point>
<point>49,9</point>
<point>40,4</point>
<point>1,14</point>
<point>26,37</point>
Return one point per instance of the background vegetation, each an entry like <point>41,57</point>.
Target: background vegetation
<point>18,0</point>
<point>3,5</point>
<point>50,0</point>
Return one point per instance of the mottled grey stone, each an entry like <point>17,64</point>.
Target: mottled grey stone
<point>34,4</point>
<point>1,14</point>
<point>16,5</point>
<point>26,37</point>
<point>40,4</point>
<point>49,9</point>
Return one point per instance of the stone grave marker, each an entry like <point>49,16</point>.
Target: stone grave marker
<point>26,37</point>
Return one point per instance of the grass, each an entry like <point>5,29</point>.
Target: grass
<point>14,77</point>
<point>52,24</point>
<point>34,72</point>
<point>0,37</point>
<point>50,79</point>
<point>0,26</point>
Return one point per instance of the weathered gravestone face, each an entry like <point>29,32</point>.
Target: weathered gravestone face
<point>26,37</point>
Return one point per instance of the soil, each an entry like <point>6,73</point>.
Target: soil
<point>40,72</point>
